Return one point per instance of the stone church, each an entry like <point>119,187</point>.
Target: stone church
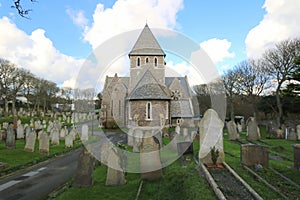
<point>147,97</point>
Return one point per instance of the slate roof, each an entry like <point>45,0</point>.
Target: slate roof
<point>181,108</point>
<point>183,82</point>
<point>149,88</point>
<point>124,80</point>
<point>146,44</point>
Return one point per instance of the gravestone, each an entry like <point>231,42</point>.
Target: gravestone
<point>43,142</point>
<point>104,152</point>
<point>280,133</point>
<point>130,137</point>
<point>69,141</point>
<point>30,141</point>
<point>254,154</point>
<point>185,148</point>
<point>27,132</point>
<point>55,137</point>
<point>232,130</point>
<point>10,137</point>
<point>115,174</point>
<point>84,133</point>
<point>20,131</point>
<point>253,130</point>
<point>177,130</point>
<point>298,131</point>
<point>137,139</point>
<point>150,163</point>
<point>211,135</point>
<point>239,128</point>
<point>186,135</point>
<point>292,135</point>
<point>297,156</point>
<point>85,168</point>
<point>63,133</point>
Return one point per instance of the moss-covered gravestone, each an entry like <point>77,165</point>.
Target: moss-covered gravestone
<point>115,173</point>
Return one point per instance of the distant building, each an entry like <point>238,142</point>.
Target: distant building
<point>147,97</point>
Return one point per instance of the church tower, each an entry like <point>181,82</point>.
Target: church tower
<point>145,55</point>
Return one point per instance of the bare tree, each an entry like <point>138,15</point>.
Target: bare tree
<point>279,62</point>
<point>230,80</point>
<point>251,81</point>
<point>23,12</point>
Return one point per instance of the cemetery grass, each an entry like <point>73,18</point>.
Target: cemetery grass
<point>284,149</point>
<point>19,159</point>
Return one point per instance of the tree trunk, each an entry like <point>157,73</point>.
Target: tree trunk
<point>279,106</point>
<point>13,108</point>
<point>231,109</point>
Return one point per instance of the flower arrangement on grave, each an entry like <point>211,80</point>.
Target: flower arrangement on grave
<point>214,154</point>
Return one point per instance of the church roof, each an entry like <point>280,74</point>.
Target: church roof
<point>146,44</point>
<point>149,88</point>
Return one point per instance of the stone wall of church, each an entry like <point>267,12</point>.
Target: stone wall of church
<point>159,112</point>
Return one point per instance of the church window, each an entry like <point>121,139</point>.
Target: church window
<point>147,60</point>
<point>148,111</point>
<point>138,62</point>
<point>155,62</point>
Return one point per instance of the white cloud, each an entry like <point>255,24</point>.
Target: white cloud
<point>217,49</point>
<point>126,15</point>
<point>77,17</point>
<point>36,53</point>
<point>280,22</point>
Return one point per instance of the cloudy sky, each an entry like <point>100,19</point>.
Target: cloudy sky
<point>56,40</point>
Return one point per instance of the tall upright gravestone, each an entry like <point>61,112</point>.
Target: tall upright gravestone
<point>232,130</point>
<point>84,174</point>
<point>10,137</point>
<point>211,136</point>
<point>253,130</point>
<point>151,167</point>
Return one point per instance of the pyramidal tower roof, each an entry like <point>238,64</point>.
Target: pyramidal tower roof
<point>146,44</point>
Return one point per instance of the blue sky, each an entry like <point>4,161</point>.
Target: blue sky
<point>59,36</point>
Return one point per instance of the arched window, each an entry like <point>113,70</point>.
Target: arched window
<point>155,62</point>
<point>138,62</point>
<point>148,111</point>
<point>147,60</point>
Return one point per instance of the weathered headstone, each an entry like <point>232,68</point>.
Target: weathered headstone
<point>84,133</point>
<point>10,137</point>
<point>297,156</point>
<point>44,142</point>
<point>130,137</point>
<point>292,134</point>
<point>298,131</point>
<point>69,141</point>
<point>253,130</point>
<point>115,174</point>
<point>20,131</point>
<point>232,130</point>
<point>55,137</point>
<point>150,163</point>
<point>239,128</point>
<point>211,136</point>
<point>177,129</point>
<point>30,142</point>
<point>254,154</point>
<point>280,133</point>
<point>84,173</point>
<point>63,133</point>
